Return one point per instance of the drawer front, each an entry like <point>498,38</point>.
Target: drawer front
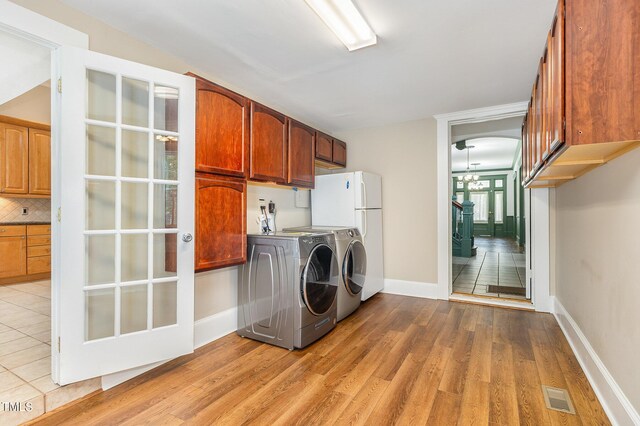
<point>38,251</point>
<point>12,230</point>
<point>38,265</point>
<point>38,240</point>
<point>38,229</point>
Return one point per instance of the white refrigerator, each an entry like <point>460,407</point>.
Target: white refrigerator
<point>355,200</point>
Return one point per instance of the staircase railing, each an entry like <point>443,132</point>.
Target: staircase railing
<point>462,227</point>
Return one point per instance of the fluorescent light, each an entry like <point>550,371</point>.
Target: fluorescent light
<point>342,17</point>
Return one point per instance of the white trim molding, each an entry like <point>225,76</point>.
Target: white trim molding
<point>212,328</point>
<point>615,403</point>
<point>444,124</point>
<point>411,288</point>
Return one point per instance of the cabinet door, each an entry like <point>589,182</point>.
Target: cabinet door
<point>525,142</point>
<point>531,139</point>
<point>13,252</point>
<point>14,159</point>
<point>301,156</point>
<point>545,103</point>
<point>557,79</point>
<point>39,162</point>
<point>222,130</point>
<point>268,144</point>
<point>339,153</point>
<point>537,102</point>
<point>324,147</point>
<point>221,221</point>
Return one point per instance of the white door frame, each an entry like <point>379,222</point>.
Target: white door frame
<point>539,241</point>
<point>46,32</point>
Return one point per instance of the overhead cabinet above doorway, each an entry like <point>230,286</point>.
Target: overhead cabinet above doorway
<point>585,102</point>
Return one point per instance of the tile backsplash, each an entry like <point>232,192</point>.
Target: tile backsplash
<point>11,209</point>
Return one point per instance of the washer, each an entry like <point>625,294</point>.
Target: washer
<point>352,261</point>
<point>287,290</point>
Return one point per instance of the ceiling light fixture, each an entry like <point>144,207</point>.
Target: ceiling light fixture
<point>347,23</point>
<point>468,176</point>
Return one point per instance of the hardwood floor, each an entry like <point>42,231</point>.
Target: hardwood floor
<point>398,360</point>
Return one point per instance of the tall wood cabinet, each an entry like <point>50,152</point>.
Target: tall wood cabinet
<point>25,158</point>
<point>221,210</point>
<point>585,103</point>
<point>268,144</point>
<point>301,154</point>
<point>222,130</point>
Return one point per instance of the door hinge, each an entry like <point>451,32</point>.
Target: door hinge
<point>60,85</point>
<point>58,344</point>
<point>59,215</point>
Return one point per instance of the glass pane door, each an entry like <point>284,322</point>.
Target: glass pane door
<point>127,156</point>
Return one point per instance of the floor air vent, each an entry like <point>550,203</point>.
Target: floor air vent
<point>558,399</point>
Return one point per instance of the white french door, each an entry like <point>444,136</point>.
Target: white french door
<point>124,271</point>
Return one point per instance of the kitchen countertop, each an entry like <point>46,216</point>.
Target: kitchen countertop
<point>24,223</point>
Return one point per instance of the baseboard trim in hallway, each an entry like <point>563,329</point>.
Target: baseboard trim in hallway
<point>615,403</point>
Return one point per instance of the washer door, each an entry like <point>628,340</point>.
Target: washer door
<point>319,283</point>
<point>354,267</point>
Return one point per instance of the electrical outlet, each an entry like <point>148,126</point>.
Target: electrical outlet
<point>25,211</point>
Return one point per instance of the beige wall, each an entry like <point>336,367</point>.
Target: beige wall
<point>597,272</point>
<point>405,156</point>
<point>214,291</point>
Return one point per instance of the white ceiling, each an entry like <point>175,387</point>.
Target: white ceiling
<point>432,56</point>
<point>492,154</point>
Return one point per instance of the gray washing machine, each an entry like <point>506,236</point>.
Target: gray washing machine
<point>352,262</point>
<point>287,289</point>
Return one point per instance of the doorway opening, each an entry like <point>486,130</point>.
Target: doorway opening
<point>488,245</point>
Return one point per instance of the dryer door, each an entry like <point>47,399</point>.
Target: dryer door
<point>319,283</point>
<point>354,267</point>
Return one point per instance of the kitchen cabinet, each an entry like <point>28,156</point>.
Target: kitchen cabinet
<point>301,154</point>
<point>14,159</point>
<point>222,130</point>
<point>25,158</point>
<point>324,147</point>
<point>330,152</point>
<point>268,151</point>
<point>221,221</point>
<point>39,162</point>
<point>26,252</point>
<point>585,102</point>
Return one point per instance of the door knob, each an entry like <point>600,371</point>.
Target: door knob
<point>187,238</point>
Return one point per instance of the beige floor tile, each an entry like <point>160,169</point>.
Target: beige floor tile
<point>33,288</point>
<point>8,336</point>
<point>44,337</point>
<point>43,308</point>
<point>24,299</point>
<point>38,328</point>
<point>44,384</point>
<point>29,410</point>
<point>4,328</point>
<point>25,356</point>
<point>25,320</point>
<point>34,370</point>
<point>23,392</point>
<point>5,291</point>
<point>9,381</point>
<point>66,394</point>
<point>17,345</point>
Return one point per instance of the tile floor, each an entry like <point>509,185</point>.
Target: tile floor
<point>499,261</point>
<point>25,355</point>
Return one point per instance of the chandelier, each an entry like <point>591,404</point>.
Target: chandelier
<point>468,176</point>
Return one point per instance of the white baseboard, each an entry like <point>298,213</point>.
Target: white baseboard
<point>206,331</point>
<point>613,400</point>
<point>216,326</point>
<point>411,288</point>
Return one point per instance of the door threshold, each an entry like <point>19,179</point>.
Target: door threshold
<point>525,305</point>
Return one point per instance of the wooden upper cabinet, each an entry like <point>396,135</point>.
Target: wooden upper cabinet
<point>557,83</point>
<point>324,147</point>
<point>339,153</point>
<point>539,120</point>
<point>268,145</point>
<point>221,221</point>
<point>301,155</point>
<point>14,159</point>
<point>39,162</point>
<point>222,130</point>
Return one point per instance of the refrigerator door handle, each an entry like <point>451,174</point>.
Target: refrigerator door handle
<point>364,193</point>
<point>364,224</point>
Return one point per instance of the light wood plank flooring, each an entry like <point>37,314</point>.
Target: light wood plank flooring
<point>398,360</point>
